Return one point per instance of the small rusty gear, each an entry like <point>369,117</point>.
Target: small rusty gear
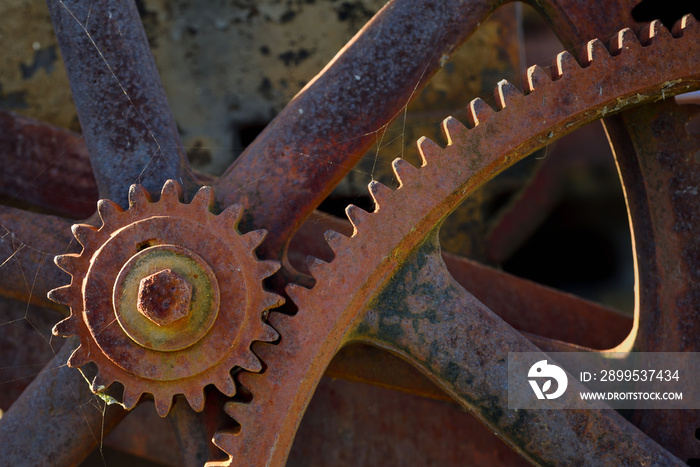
<point>166,297</point>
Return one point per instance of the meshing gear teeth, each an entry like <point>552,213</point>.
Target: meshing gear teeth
<point>166,297</point>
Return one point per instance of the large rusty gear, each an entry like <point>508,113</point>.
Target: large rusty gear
<point>380,287</point>
<point>184,297</point>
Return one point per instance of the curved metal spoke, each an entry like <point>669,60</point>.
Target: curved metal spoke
<point>128,127</point>
<point>341,113</point>
<point>59,414</point>
<point>471,365</point>
<point>539,310</point>
<point>661,180</point>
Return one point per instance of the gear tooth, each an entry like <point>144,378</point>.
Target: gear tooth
<point>655,33</point>
<point>171,192</point>
<point>138,195</point>
<point>163,403</point>
<point>295,292</point>
<point>596,52</point>
<point>428,149</point>
<point>686,24</point>
<point>508,95</point>
<point>131,398</point>
<point>356,215</point>
<point>108,211</point>
<point>271,300</point>
<point>83,233</point>
<point>63,295</point>
<point>226,385</point>
<point>280,320</point>
<point>228,462</point>
<point>101,382</point>
<point>453,130</point>
<point>224,440</point>
<point>335,240</point>
<point>254,238</point>
<point>315,265</point>
<point>67,262</point>
<point>195,398</point>
<point>479,112</point>
<point>677,29</point>
<point>204,199</point>
<point>269,334</point>
<point>403,170</point>
<point>566,65</point>
<point>65,327</point>
<point>251,362</point>
<point>380,193</point>
<point>227,440</point>
<point>268,268</point>
<point>625,39</point>
<point>536,78</point>
<point>79,357</point>
<point>231,216</point>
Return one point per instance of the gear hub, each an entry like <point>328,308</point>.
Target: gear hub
<point>166,297</point>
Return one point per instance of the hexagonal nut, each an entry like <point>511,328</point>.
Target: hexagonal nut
<point>164,297</point>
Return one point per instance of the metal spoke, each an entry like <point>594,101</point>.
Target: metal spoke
<point>28,243</point>
<point>539,310</point>
<point>473,350</point>
<point>661,180</point>
<point>128,127</point>
<point>59,414</point>
<point>46,166</point>
<point>342,112</point>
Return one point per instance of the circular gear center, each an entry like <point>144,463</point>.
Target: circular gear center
<point>166,298</point>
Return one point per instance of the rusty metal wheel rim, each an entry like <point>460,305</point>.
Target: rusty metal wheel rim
<point>364,262</point>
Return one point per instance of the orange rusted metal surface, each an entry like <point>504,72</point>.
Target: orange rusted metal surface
<point>167,298</point>
<point>368,273</point>
<point>166,355</point>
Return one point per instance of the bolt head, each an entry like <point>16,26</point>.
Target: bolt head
<point>164,297</point>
